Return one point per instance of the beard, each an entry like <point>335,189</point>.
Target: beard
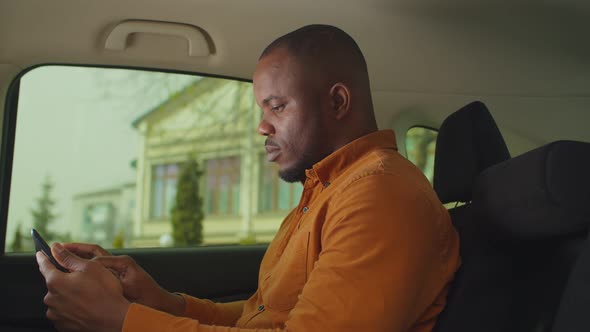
<point>312,153</point>
<point>309,157</point>
<point>296,173</point>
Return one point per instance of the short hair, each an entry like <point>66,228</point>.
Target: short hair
<point>318,39</point>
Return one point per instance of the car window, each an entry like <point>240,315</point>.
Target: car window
<point>420,147</point>
<point>130,158</point>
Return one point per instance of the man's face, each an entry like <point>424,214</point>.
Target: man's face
<point>292,115</point>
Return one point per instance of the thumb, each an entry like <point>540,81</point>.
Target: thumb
<point>66,258</point>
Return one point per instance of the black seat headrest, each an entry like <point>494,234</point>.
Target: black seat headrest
<point>468,142</point>
<point>540,194</point>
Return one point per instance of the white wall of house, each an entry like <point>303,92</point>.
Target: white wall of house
<point>103,214</point>
<point>213,119</point>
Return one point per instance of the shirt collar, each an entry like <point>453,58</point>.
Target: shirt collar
<point>329,168</point>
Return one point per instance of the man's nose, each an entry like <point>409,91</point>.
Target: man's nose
<point>265,128</point>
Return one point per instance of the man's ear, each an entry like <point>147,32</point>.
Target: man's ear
<point>340,100</point>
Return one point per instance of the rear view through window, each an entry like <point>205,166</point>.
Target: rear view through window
<point>420,147</point>
<point>128,158</point>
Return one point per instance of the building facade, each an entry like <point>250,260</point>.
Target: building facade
<point>215,122</point>
<point>106,216</point>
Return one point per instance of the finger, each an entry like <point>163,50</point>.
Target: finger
<point>119,264</point>
<point>45,266</point>
<point>86,250</point>
<point>67,259</point>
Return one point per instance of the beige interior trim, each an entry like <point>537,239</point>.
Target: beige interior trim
<point>197,41</point>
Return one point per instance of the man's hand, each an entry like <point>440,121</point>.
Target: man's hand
<point>89,298</point>
<point>86,250</point>
<point>138,285</point>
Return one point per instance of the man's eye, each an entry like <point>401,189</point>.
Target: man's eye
<point>277,108</point>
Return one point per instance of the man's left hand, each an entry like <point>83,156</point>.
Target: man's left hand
<point>89,298</point>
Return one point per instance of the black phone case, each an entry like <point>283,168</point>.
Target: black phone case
<point>41,245</point>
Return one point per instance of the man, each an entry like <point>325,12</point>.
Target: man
<point>369,248</point>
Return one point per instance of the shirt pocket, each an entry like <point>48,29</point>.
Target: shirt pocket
<point>283,286</point>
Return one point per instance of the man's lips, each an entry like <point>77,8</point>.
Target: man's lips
<point>272,150</point>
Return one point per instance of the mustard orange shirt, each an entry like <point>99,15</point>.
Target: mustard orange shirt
<point>369,248</point>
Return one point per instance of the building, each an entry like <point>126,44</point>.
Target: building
<point>107,216</point>
<point>214,121</point>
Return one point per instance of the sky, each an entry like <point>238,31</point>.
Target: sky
<point>74,125</point>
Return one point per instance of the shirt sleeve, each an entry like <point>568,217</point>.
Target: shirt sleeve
<point>210,312</point>
<point>146,319</point>
<point>388,253</point>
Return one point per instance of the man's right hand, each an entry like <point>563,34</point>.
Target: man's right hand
<point>138,285</point>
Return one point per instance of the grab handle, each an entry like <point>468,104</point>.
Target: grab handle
<point>197,42</point>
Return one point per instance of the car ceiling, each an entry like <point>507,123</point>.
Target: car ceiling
<point>528,60</point>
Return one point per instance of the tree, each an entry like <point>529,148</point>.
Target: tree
<point>187,213</point>
<point>43,214</point>
<point>17,242</point>
<point>119,240</point>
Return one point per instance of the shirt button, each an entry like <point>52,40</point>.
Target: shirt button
<point>327,184</point>
<point>305,209</point>
<point>261,307</point>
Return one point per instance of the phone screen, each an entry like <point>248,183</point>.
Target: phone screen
<point>41,245</point>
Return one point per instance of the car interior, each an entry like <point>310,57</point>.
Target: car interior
<point>503,87</point>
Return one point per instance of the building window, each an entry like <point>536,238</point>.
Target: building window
<point>276,194</point>
<point>223,186</point>
<point>164,180</point>
<point>420,146</point>
<point>99,223</point>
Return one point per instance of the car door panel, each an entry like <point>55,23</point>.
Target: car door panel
<point>222,274</point>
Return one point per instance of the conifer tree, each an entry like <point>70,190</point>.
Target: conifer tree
<point>43,214</point>
<point>187,213</point>
<point>17,242</point>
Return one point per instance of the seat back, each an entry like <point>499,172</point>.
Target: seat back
<point>468,142</point>
<point>572,314</point>
<point>525,233</point>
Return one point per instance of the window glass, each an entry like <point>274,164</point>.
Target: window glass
<point>420,147</point>
<point>223,178</point>
<point>276,195</point>
<point>119,157</point>
<point>163,190</point>
<point>266,199</point>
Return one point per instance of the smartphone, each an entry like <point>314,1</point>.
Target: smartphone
<point>41,245</point>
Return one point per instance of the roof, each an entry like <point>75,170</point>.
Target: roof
<point>182,91</point>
